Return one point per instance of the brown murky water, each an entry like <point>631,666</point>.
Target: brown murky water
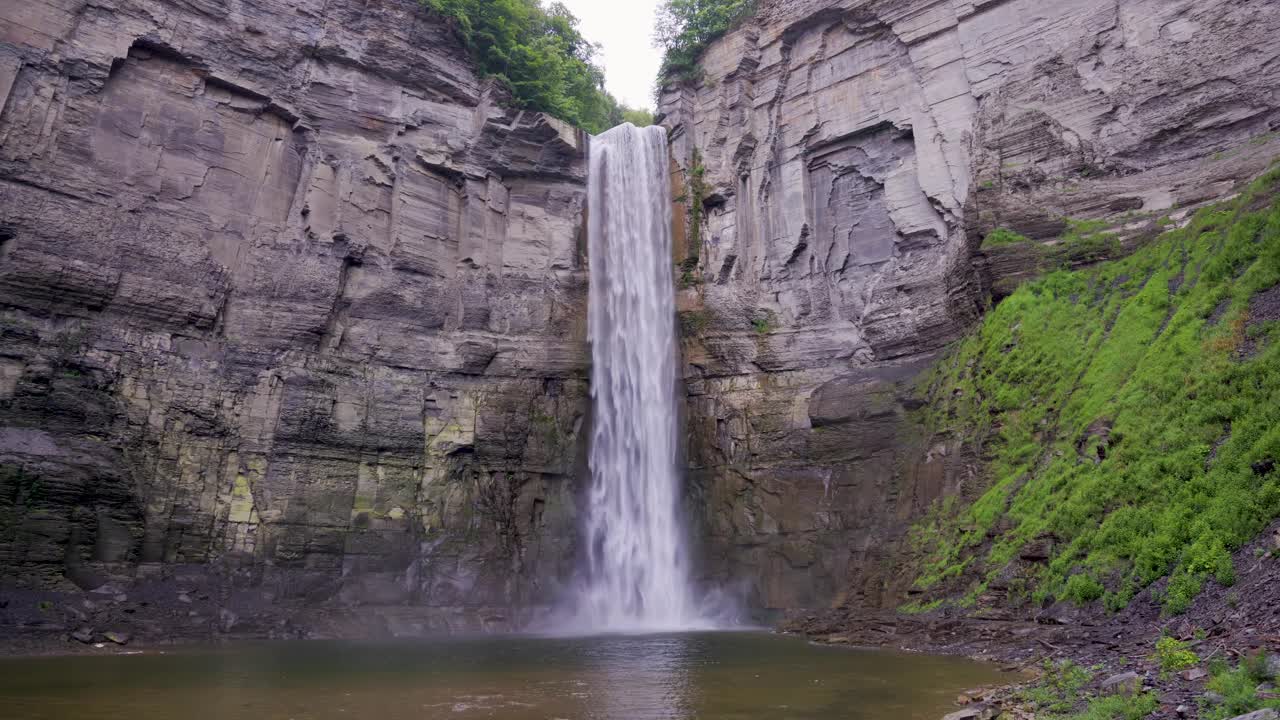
<point>720,676</point>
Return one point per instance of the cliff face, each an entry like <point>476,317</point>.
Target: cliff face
<point>856,153</point>
<point>293,310</point>
<point>287,297</point>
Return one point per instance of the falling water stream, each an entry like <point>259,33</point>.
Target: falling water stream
<point>637,574</point>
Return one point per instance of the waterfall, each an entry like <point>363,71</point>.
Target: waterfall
<point>637,574</point>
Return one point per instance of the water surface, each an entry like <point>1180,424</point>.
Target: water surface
<point>708,676</point>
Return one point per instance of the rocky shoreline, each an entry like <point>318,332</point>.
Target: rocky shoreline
<point>1230,625</point>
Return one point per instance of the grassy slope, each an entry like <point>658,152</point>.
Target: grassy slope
<point>1120,418</point>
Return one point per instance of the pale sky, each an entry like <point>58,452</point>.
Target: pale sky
<point>624,28</point>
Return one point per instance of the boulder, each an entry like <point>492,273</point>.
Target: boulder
<point>976,711</point>
<point>1129,683</point>
<point>117,637</point>
<point>1259,715</point>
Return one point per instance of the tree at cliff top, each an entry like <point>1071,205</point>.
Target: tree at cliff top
<point>1129,415</point>
<point>637,117</point>
<point>685,28</point>
<point>539,55</point>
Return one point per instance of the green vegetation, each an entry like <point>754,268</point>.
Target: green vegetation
<point>695,201</point>
<point>693,322</point>
<point>637,117</point>
<point>1173,655</point>
<point>688,270</point>
<point>1083,240</point>
<point>1237,690</point>
<point>686,27</point>
<point>1120,707</point>
<point>1061,689</point>
<point>1121,416</point>
<point>765,322</point>
<point>1087,240</point>
<point>541,57</point>
<point>1003,236</point>
<point>1083,589</point>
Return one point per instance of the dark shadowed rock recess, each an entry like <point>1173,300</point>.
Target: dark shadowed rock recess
<point>856,155</point>
<point>292,312</point>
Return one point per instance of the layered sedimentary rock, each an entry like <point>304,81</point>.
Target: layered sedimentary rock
<point>855,154</point>
<point>285,290</point>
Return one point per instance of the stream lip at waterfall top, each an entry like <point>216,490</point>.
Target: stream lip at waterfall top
<point>679,676</point>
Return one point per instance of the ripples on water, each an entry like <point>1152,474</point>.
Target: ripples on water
<point>721,676</point>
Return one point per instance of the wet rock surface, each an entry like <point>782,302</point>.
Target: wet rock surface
<point>292,313</point>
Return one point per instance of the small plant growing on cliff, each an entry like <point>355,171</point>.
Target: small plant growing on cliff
<point>693,322</point>
<point>688,272</point>
<point>1003,236</point>
<point>696,199</point>
<point>1174,655</point>
<point>764,323</point>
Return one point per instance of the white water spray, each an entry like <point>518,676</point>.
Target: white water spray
<point>637,574</point>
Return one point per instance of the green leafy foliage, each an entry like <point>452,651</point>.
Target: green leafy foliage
<point>1235,691</point>
<point>1121,418</point>
<point>696,203</point>
<point>1120,707</point>
<point>1258,666</point>
<point>1173,655</point>
<point>1059,687</point>
<point>540,56</point>
<point>1061,690</point>
<point>685,28</point>
<point>693,322</point>
<point>637,117</point>
<point>1003,236</point>
<point>1083,589</point>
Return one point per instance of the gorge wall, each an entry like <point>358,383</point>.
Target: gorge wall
<point>854,155</point>
<point>292,308</point>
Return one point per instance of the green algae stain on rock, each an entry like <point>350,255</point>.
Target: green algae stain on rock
<point>242,508</point>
